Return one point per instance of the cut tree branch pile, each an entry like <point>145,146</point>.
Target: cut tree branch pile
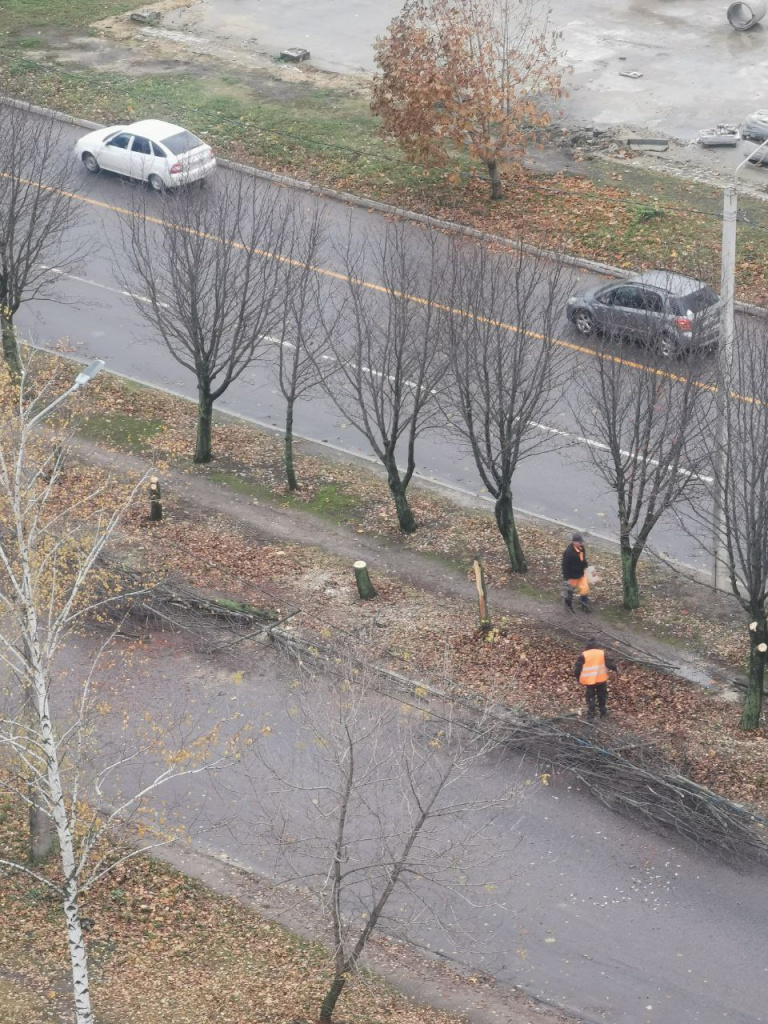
<point>629,777</point>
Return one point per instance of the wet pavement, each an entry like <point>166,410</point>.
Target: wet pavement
<point>595,914</point>
<point>696,70</point>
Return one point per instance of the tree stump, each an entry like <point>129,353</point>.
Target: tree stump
<point>365,588</point>
<point>155,502</point>
<point>482,596</point>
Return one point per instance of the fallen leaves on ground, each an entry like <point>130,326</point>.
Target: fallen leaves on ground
<point>163,947</point>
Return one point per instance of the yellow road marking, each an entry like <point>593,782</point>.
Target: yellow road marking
<point>337,275</point>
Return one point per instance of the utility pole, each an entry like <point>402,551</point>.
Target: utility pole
<point>720,570</point>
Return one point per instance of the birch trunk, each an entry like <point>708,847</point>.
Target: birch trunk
<point>75,941</point>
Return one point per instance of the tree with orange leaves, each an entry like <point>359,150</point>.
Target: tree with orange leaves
<point>467,75</point>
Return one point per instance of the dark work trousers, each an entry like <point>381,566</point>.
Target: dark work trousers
<point>596,694</point>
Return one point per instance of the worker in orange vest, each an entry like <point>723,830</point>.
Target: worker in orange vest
<point>591,670</point>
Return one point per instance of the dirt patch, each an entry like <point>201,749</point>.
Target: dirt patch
<point>172,42</point>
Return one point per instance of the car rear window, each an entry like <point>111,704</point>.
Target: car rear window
<point>182,142</point>
<point>697,301</point>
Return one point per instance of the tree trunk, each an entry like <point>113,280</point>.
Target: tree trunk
<point>505,520</point>
<point>290,469</point>
<point>204,439</point>
<point>40,824</point>
<point>493,174</point>
<point>630,589</point>
<point>40,831</point>
<point>483,616</point>
<point>753,700</point>
<point>10,345</point>
<point>78,958</point>
<point>365,588</point>
<point>331,998</point>
<point>405,517</point>
<point>77,951</point>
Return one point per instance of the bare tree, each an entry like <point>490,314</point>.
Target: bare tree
<point>51,581</point>
<point>506,365</point>
<point>740,457</point>
<point>646,427</point>
<point>301,365</point>
<point>37,208</point>
<point>386,816</point>
<point>384,342</point>
<point>211,276</point>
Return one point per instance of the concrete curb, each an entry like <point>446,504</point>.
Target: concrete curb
<point>350,199</point>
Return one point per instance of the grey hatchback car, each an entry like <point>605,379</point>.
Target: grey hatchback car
<point>664,310</point>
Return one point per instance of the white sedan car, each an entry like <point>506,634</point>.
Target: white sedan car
<point>162,154</point>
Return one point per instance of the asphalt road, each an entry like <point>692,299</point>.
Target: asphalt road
<point>95,319</point>
<point>598,916</point>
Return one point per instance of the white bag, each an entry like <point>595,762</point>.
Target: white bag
<point>592,575</point>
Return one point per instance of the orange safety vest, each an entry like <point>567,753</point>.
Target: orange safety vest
<point>594,670</point>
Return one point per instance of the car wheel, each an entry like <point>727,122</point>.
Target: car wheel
<point>90,163</point>
<point>668,346</point>
<point>583,321</point>
<point>156,183</point>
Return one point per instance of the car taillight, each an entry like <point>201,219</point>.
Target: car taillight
<point>176,169</point>
<point>683,322</point>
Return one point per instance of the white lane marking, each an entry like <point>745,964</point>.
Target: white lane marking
<point>98,284</point>
<point>558,431</point>
<point>589,442</point>
<point>332,359</point>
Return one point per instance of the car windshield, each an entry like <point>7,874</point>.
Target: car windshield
<point>697,301</point>
<point>182,142</point>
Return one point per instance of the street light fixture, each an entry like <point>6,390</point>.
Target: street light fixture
<point>84,377</point>
<point>725,363</point>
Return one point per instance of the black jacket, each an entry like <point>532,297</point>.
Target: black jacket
<point>573,567</point>
<point>609,664</point>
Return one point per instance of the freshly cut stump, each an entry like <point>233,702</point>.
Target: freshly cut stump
<point>365,588</point>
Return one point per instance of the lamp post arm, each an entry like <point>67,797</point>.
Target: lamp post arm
<point>49,408</point>
<point>84,377</point>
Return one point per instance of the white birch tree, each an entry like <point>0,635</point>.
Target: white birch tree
<point>53,534</point>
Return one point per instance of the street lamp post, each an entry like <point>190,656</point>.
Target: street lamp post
<point>720,578</point>
<point>82,378</point>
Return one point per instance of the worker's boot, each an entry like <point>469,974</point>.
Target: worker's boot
<point>569,604</point>
<point>584,605</point>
